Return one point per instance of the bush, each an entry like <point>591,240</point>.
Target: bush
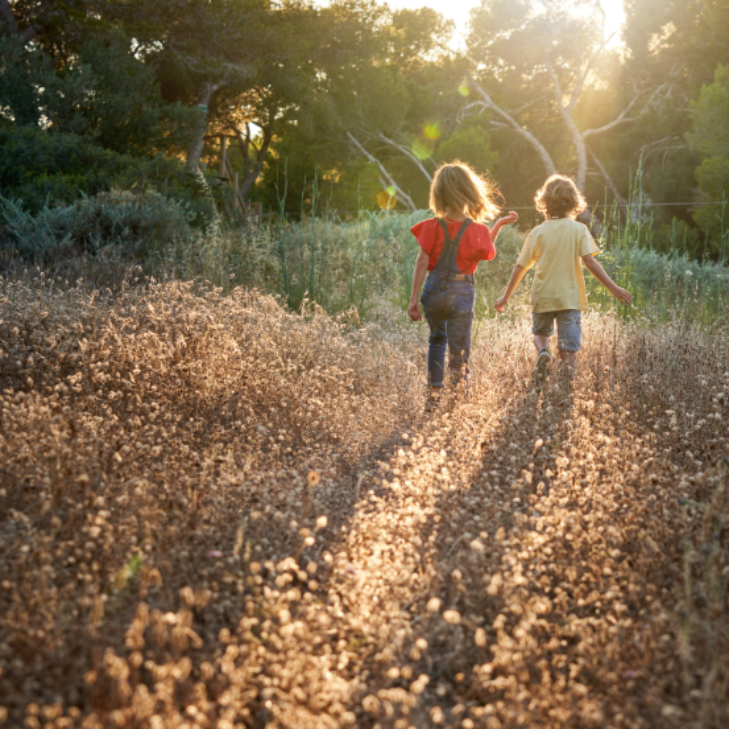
<point>134,224</point>
<point>44,169</point>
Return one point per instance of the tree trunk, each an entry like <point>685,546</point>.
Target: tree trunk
<point>536,145</point>
<point>7,21</point>
<point>7,18</point>
<point>207,89</point>
<point>250,174</point>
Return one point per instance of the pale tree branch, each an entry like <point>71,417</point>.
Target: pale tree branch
<point>408,153</point>
<point>577,140</point>
<point>403,196</point>
<point>538,147</point>
<point>622,118</point>
<point>481,107</point>
<point>557,88</point>
<point>663,147</point>
<point>509,120</point>
<point>577,91</point>
<point>205,92</point>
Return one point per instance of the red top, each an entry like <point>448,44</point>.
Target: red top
<point>475,245</point>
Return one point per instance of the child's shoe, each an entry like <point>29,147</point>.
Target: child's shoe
<point>541,368</point>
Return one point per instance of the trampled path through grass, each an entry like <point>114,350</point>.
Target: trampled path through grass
<point>519,564</point>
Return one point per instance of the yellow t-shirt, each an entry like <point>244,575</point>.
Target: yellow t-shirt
<point>556,248</point>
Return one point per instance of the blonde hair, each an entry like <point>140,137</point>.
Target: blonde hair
<point>456,186</point>
<point>559,197</point>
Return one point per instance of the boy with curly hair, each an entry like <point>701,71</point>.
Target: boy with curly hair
<point>558,248</point>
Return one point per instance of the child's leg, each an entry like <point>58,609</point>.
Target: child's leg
<point>569,329</point>
<point>542,329</point>
<point>459,345</point>
<point>541,342</point>
<point>568,358</point>
<point>459,326</point>
<point>438,340</point>
<point>437,343</point>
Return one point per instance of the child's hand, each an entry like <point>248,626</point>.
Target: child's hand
<point>500,303</point>
<point>512,217</point>
<point>414,311</point>
<point>622,295</point>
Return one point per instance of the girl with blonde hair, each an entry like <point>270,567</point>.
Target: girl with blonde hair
<point>451,245</point>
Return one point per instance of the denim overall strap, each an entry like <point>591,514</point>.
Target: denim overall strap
<point>447,261</point>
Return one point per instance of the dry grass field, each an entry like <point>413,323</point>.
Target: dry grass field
<point>215,513</point>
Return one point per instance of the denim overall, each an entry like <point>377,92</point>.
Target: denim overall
<point>448,299</point>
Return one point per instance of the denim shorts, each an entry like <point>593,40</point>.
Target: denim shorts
<point>569,327</point>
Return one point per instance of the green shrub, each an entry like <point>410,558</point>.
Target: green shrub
<point>135,224</point>
<point>44,169</point>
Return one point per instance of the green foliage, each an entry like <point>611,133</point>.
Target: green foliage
<point>663,286</point>
<point>32,91</point>
<point>320,84</point>
<point>711,139</point>
<point>676,238</point>
<point>338,265</point>
<point>710,133</point>
<point>105,94</point>
<point>134,224</point>
<point>354,264</point>
<point>125,111</point>
<point>43,169</point>
<point>470,142</point>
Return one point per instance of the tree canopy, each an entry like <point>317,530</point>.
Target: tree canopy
<point>356,104</point>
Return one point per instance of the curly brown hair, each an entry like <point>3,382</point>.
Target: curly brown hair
<point>457,186</point>
<point>560,197</point>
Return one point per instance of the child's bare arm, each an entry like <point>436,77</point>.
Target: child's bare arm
<point>601,275</point>
<point>512,217</point>
<point>517,275</point>
<point>421,268</point>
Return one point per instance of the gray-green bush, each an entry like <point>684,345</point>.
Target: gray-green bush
<point>136,225</point>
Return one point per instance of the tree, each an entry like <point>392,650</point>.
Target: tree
<point>200,48</point>
<point>276,98</point>
<point>378,84</point>
<point>104,93</point>
<point>674,47</point>
<point>126,112</point>
<point>533,62</point>
<point>29,20</point>
<point>30,71</point>
<point>470,142</point>
<point>33,91</point>
<point>710,137</point>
